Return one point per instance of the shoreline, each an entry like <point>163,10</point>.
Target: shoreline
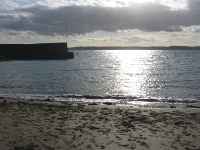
<point>58,125</point>
<point>151,103</point>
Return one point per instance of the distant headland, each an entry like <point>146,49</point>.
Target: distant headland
<point>137,48</point>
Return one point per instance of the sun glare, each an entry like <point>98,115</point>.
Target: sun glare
<point>141,1</point>
<point>134,69</point>
<point>174,5</point>
<point>122,3</point>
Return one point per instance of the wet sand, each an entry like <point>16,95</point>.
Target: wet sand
<point>48,126</point>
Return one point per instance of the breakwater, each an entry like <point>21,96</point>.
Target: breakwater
<point>40,51</point>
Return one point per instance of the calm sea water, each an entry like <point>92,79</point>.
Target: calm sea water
<point>145,77</point>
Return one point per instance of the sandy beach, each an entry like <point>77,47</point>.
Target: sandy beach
<point>41,125</point>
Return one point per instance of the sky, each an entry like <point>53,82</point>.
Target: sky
<point>101,22</point>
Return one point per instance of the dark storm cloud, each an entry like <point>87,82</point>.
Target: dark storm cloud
<point>86,19</point>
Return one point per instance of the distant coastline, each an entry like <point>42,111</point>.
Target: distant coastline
<point>136,48</point>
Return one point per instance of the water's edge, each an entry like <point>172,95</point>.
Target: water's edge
<point>114,99</point>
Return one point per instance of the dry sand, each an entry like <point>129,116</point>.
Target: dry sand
<point>49,126</point>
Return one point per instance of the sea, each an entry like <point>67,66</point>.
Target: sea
<point>140,78</point>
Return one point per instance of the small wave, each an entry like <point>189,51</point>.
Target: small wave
<point>99,98</point>
<point>82,70</point>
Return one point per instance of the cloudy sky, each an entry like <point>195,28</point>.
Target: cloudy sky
<point>101,22</point>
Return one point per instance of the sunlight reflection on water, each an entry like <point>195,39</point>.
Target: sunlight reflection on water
<point>134,70</point>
